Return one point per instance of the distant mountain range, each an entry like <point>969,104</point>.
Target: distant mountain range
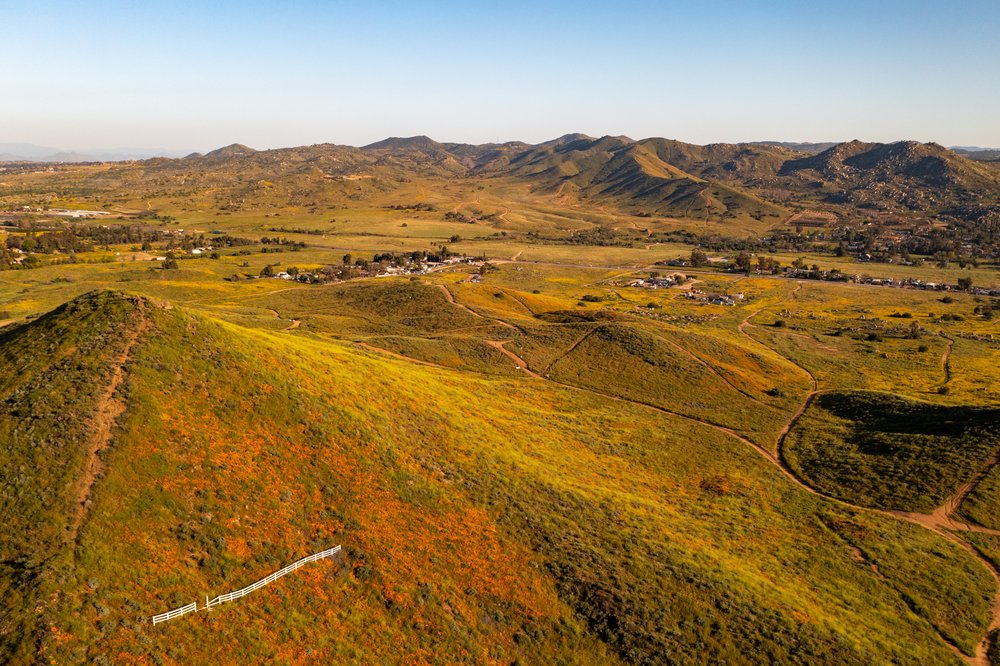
<point>28,152</point>
<point>656,176</point>
<point>763,181</point>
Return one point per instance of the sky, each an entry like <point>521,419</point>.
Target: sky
<point>184,75</point>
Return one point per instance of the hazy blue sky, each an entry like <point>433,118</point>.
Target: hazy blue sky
<point>198,75</point>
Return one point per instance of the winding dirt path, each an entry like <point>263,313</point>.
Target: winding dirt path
<point>941,521</point>
<point>945,516</point>
<point>946,360</point>
<point>461,204</point>
<point>451,299</point>
<point>712,369</point>
<point>571,348</point>
<point>520,362</point>
<point>688,286</point>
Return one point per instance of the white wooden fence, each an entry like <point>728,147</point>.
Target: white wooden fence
<point>232,596</point>
<point>163,617</point>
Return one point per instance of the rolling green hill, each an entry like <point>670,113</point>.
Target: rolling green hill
<point>152,455</point>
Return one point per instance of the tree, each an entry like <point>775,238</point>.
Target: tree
<point>347,259</point>
<point>743,260</point>
<point>698,258</point>
<point>965,283</point>
<point>170,263</point>
<point>267,271</point>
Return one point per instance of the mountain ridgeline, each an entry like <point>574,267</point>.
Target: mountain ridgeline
<point>670,178</point>
<point>764,182</point>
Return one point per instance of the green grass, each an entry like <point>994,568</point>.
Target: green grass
<point>55,371</point>
<point>981,504</point>
<point>879,450</point>
<point>482,519</point>
<point>646,368</point>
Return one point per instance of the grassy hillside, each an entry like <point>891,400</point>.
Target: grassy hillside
<point>482,519</point>
<point>60,378</point>
<point>880,450</point>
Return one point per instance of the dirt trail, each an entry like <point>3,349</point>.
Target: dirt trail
<point>571,349</point>
<point>294,322</point>
<point>109,408</point>
<point>941,521</point>
<point>944,517</point>
<point>946,361</point>
<point>451,299</point>
<point>712,369</point>
<point>520,362</point>
<point>460,204</point>
<point>688,286</point>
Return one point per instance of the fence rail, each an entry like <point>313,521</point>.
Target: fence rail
<point>232,596</point>
<point>163,617</point>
